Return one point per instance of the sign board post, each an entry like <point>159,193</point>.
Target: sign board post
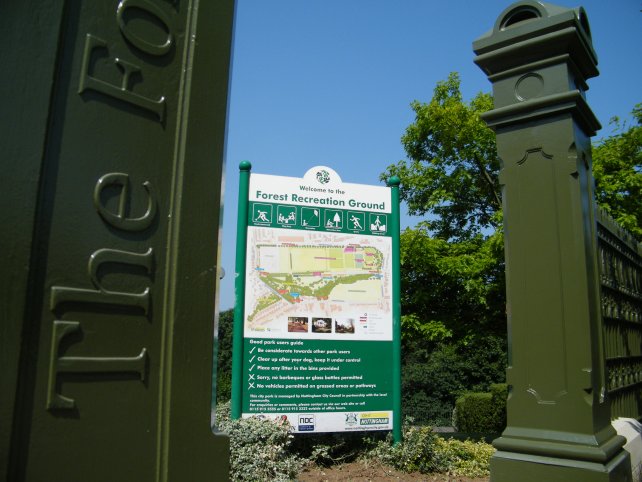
<point>317,319</point>
<point>395,224</point>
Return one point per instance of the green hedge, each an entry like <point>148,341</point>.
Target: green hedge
<point>483,412</point>
<point>500,395</point>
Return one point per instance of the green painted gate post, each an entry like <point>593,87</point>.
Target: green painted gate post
<point>538,57</point>
<point>113,135</point>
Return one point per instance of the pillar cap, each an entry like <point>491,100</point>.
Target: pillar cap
<point>530,31</point>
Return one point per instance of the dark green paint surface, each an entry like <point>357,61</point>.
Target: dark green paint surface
<point>538,57</point>
<point>116,124</point>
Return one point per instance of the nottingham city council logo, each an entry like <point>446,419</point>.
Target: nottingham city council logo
<point>351,419</point>
<point>323,176</point>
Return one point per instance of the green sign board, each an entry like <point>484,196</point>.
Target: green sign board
<point>317,318</point>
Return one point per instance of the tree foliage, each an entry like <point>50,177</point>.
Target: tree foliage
<point>452,266</point>
<point>224,355</point>
<point>452,169</point>
<point>617,168</point>
<point>452,270</point>
<point>451,289</point>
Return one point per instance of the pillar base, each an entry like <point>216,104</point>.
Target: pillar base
<point>511,467</point>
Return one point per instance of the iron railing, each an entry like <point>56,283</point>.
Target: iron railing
<point>620,264</point>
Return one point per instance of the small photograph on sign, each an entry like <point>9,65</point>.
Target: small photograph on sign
<point>298,324</point>
<point>321,325</point>
<point>344,325</point>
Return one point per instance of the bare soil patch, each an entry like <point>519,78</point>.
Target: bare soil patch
<point>374,472</point>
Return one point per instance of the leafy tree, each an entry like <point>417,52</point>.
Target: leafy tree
<point>224,355</point>
<point>434,376</point>
<point>454,322</point>
<point>452,270</point>
<point>617,168</point>
<point>452,169</point>
<point>452,290</point>
<point>455,256</point>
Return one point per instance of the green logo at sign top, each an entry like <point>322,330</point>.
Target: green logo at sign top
<point>323,176</point>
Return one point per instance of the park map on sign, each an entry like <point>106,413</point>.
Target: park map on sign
<point>326,272</point>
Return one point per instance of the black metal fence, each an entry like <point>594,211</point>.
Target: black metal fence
<point>620,264</point>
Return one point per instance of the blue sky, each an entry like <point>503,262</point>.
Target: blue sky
<point>329,82</point>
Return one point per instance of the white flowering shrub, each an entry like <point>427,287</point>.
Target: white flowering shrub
<point>259,448</point>
<point>263,450</point>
